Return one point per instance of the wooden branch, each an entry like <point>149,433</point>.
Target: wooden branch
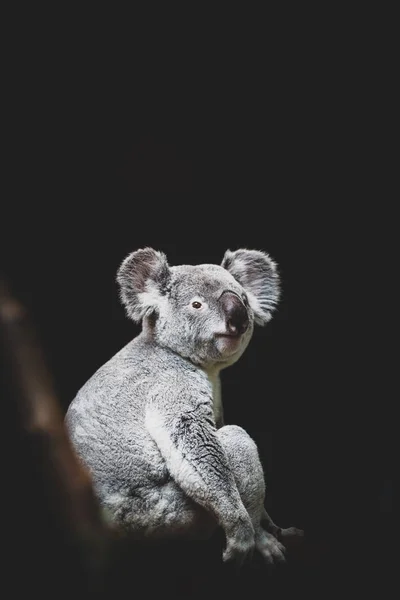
<point>42,421</point>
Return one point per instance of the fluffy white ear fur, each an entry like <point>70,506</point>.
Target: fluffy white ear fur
<point>257,274</point>
<point>143,278</point>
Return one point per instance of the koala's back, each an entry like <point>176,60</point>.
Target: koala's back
<point>106,420</point>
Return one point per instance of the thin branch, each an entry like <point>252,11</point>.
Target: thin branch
<point>42,421</point>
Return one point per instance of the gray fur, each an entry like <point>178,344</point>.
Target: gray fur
<point>149,425</point>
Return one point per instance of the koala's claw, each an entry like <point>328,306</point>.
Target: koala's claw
<point>270,549</point>
<point>238,554</point>
<point>240,548</point>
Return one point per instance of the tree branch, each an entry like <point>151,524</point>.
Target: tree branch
<point>69,483</point>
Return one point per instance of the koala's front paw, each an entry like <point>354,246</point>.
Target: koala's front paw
<point>270,548</point>
<point>240,543</point>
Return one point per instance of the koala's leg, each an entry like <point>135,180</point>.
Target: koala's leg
<point>246,467</point>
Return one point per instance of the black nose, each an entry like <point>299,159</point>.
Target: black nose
<point>235,313</point>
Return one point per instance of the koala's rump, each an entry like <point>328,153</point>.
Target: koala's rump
<point>158,511</point>
<point>106,422</point>
<point>130,477</point>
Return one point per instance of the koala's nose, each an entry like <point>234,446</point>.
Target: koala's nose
<point>235,313</point>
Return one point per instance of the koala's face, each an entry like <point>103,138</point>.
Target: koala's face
<point>205,313</point>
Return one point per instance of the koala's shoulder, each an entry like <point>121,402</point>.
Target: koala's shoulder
<point>147,365</point>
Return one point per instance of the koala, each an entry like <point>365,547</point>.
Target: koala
<point>149,423</point>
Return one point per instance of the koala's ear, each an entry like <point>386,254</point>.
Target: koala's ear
<point>143,278</point>
<point>257,274</point>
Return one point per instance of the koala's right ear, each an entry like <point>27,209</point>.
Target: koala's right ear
<point>143,278</point>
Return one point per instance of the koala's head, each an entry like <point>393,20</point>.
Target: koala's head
<point>205,313</point>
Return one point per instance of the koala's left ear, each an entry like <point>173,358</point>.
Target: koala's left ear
<point>257,274</point>
<point>143,278</point>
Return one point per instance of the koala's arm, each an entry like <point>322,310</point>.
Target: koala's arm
<point>186,437</point>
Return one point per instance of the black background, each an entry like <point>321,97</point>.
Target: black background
<point>275,138</point>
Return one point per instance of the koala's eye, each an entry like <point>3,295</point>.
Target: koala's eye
<point>196,304</point>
